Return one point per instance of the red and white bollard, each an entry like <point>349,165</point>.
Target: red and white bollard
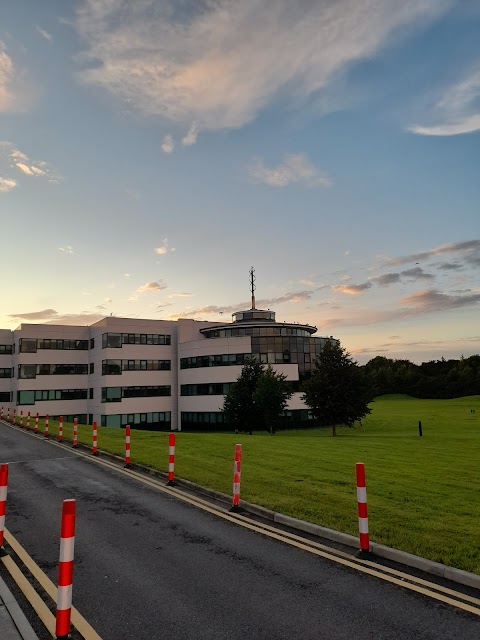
<point>8,414</point>
<point>65,570</point>
<point>45,432</point>
<point>127,447</point>
<point>237,473</point>
<point>3,499</point>
<point>60,428</point>
<point>1,414</point>
<point>35,428</point>
<point>94,439</point>
<point>171,459</point>
<point>28,421</point>
<point>75,433</point>
<point>21,419</point>
<point>362,508</point>
<point>14,416</point>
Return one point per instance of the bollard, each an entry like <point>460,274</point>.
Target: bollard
<point>127,447</point>
<point>8,414</point>
<point>1,414</point>
<point>420,428</point>
<point>65,570</point>
<point>237,473</point>
<point>3,501</point>
<point>362,508</point>
<point>94,439</point>
<point>60,428</point>
<point>171,459</point>
<point>45,432</point>
<point>28,421</point>
<point>35,428</point>
<point>75,433</point>
<point>21,419</point>
<point>14,416</point>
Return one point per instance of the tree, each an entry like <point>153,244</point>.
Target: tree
<point>271,397</point>
<point>239,407</point>
<point>337,391</point>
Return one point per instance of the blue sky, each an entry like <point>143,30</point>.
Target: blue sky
<point>152,151</point>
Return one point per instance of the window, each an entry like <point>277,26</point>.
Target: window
<point>139,420</point>
<point>7,349</point>
<point>92,343</point>
<point>6,373</point>
<point>112,340</point>
<point>111,394</point>
<point>5,396</point>
<point>205,389</point>
<point>111,367</point>
<point>115,394</point>
<point>223,360</point>
<point>90,395</point>
<point>28,345</point>
<point>30,397</point>
<point>117,340</point>
<point>115,367</point>
<point>27,371</point>
<point>92,367</point>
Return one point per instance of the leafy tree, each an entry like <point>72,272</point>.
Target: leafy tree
<point>271,397</point>
<point>337,392</point>
<point>239,406</point>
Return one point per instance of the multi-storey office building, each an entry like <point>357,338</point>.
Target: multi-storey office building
<point>153,374</point>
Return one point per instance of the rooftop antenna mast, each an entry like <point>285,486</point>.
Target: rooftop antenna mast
<point>252,285</point>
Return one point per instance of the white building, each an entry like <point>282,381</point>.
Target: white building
<point>151,374</point>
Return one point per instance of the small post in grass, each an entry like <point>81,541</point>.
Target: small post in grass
<point>94,439</point>
<point>362,509</point>
<point>237,473</point>
<point>60,428</point>
<point>3,502</point>
<point>75,433</point>
<point>45,431</point>
<point>127,447</point>
<point>171,459</point>
<point>21,419</point>
<point>420,428</point>
<point>28,421</point>
<point>35,428</point>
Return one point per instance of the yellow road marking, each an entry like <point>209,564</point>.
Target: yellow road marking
<point>317,549</point>
<point>40,608</point>
<point>77,619</point>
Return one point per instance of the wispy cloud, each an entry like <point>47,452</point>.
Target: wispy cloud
<point>44,314</point>
<point>19,161</point>
<point>6,75</point>
<point>295,168</point>
<point>150,287</point>
<point>218,64</point>
<point>191,136</point>
<point>168,144</point>
<point>164,248</point>
<point>352,289</point>
<point>180,295</point>
<point>432,300</point>
<point>469,249</point>
<point>458,110</point>
<point>6,184</point>
<point>44,33</point>
<point>66,251</point>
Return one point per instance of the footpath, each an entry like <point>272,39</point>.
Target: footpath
<point>13,623</point>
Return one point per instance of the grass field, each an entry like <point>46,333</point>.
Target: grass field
<point>423,493</point>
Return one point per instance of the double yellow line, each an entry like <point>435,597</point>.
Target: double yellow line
<point>425,587</point>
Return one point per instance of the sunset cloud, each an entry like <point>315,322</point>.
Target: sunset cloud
<point>45,314</point>
<point>468,249</point>
<point>352,289</point>
<point>457,111</point>
<point>19,161</point>
<point>6,184</point>
<point>191,136</point>
<point>222,63</point>
<point>6,75</point>
<point>150,287</point>
<point>44,33</point>
<point>168,144</point>
<point>295,168</point>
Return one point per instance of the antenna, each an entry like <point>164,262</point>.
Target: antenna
<point>252,285</point>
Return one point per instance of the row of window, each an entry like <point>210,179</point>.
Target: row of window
<point>115,394</point>
<point>6,372</point>
<point>138,420</point>
<point>31,345</point>
<point>7,348</point>
<point>256,331</point>
<point>222,360</point>
<point>5,396</point>
<point>33,370</point>
<point>117,340</point>
<point>205,389</point>
<point>32,396</point>
<point>115,367</point>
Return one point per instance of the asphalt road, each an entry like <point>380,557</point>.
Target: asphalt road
<point>148,566</point>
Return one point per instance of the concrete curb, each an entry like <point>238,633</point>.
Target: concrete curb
<point>402,557</point>
<point>16,614</point>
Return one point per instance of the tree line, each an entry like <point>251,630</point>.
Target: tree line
<point>338,391</point>
<point>437,379</point>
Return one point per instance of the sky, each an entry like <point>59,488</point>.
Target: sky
<point>152,151</point>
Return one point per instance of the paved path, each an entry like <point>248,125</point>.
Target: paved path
<point>149,566</point>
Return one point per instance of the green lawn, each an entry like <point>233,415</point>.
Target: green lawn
<point>423,493</point>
